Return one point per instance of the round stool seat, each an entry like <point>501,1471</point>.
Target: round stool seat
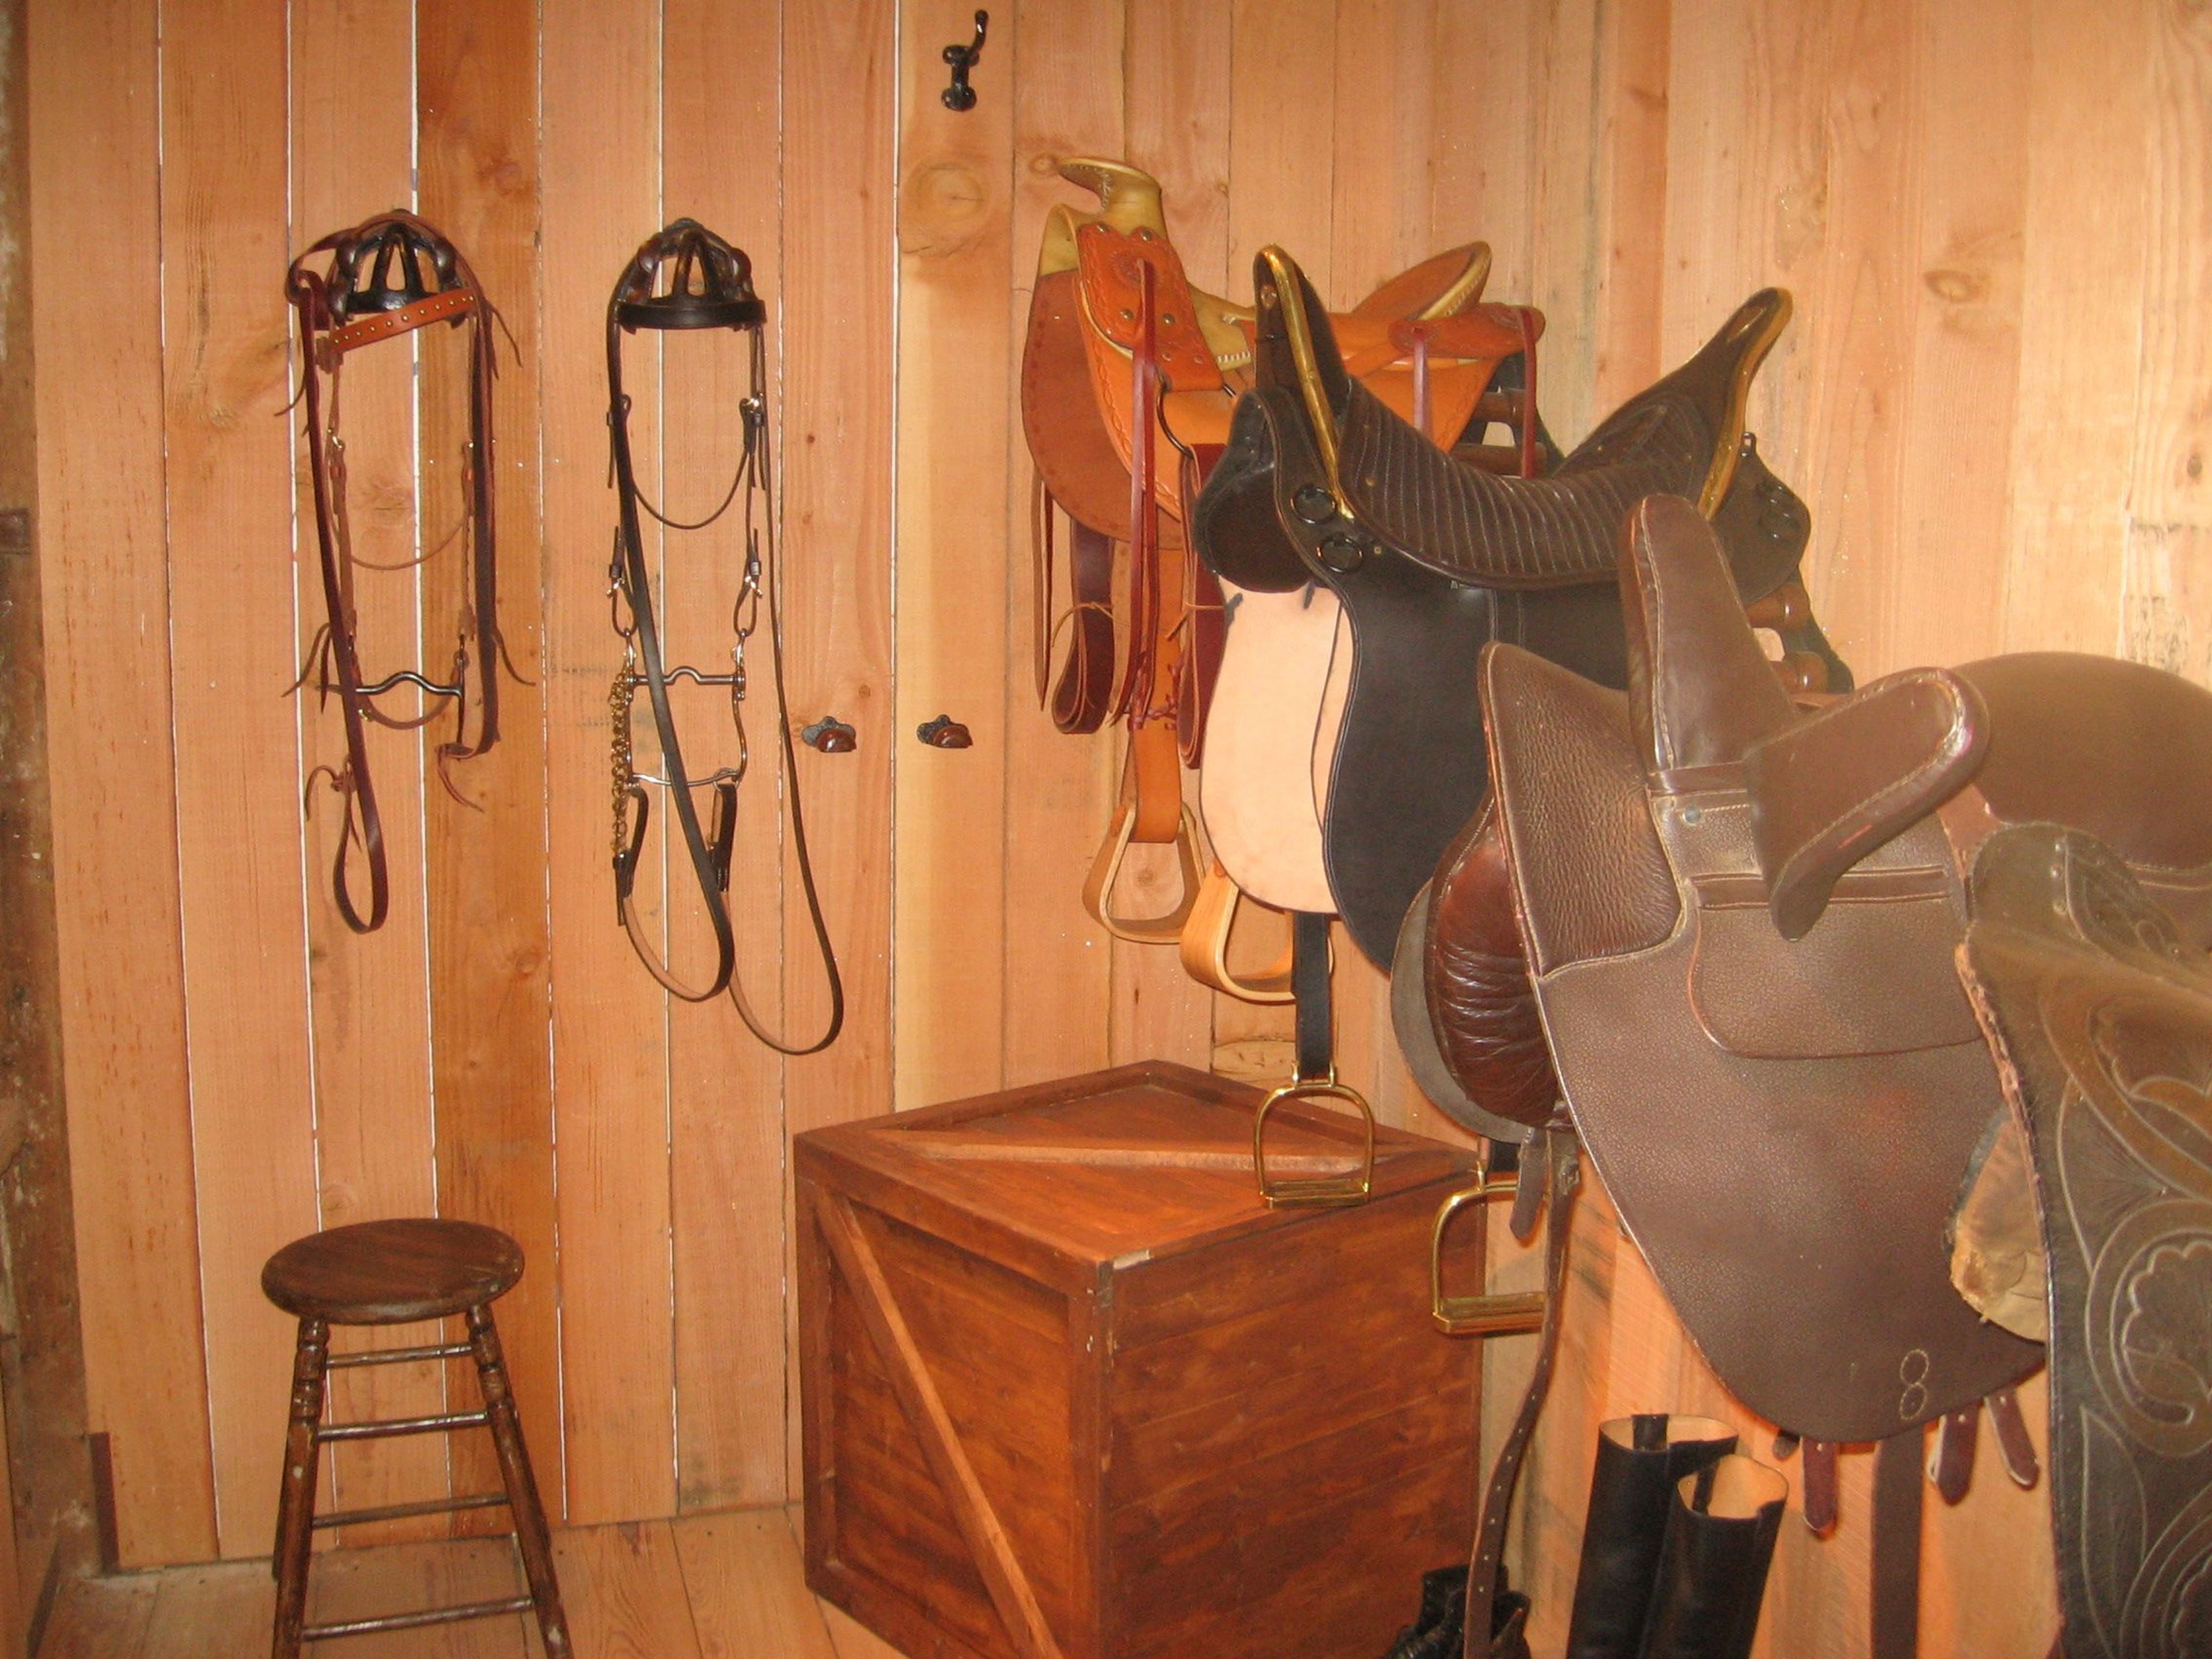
<point>392,1273</point>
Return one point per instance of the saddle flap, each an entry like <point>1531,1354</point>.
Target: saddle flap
<point>1828,790</point>
<point>1700,691</point>
<point>1113,264</point>
<point>1875,979</point>
<point>1589,876</point>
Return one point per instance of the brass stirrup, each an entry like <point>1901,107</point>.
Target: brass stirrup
<point>1505,1313</point>
<point>1315,1192</point>
<point>1204,946</point>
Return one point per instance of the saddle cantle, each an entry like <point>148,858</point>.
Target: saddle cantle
<point>2099,1013</point>
<point>1432,558</point>
<point>1752,1102</point>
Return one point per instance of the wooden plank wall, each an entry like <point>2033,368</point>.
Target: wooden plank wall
<point>1994,395</point>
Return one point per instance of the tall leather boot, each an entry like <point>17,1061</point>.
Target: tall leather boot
<point>1443,1600</point>
<point>1440,1632</point>
<point>1712,1573</point>
<point>1639,1460</point>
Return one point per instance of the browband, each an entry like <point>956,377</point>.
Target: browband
<point>386,277</point>
<point>687,278</point>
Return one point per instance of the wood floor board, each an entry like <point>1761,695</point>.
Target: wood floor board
<point>746,1580</point>
<point>362,1584</point>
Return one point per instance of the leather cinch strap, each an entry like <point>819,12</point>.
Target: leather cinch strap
<point>384,278</point>
<point>1566,1178</point>
<point>686,277</point>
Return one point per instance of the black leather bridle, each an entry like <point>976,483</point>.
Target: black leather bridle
<point>683,278</point>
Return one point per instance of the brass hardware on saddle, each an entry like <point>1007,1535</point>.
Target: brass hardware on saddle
<point>687,278</point>
<point>1314,1191</point>
<point>944,732</point>
<point>960,97</point>
<point>386,277</point>
<point>1509,1313</point>
<point>831,736</point>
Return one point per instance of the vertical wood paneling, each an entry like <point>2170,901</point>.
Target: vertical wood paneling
<point>1067,95</point>
<point>353,141</point>
<point>599,133</point>
<point>232,634</point>
<point>2082,286</point>
<point>94,134</point>
<point>720,72</point>
<point>838,97</point>
<point>957,349</point>
<point>476,107</point>
<point>1946,568</point>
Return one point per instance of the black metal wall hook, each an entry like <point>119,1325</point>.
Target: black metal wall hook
<point>960,96</point>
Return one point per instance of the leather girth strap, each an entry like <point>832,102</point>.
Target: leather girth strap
<point>1564,1179</point>
<point>1897,1509</point>
<point>388,277</point>
<point>686,277</point>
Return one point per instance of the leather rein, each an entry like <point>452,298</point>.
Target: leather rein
<point>686,278</point>
<point>388,277</point>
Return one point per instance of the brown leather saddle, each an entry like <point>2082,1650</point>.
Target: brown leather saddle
<point>384,278</point>
<point>1130,374</point>
<point>1433,558</point>
<point>1741,921</point>
<point>2099,1013</point>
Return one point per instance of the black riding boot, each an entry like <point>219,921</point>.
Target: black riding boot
<point>1712,1575</point>
<point>1441,1630</point>
<point>1443,1600</point>
<point>1639,1460</point>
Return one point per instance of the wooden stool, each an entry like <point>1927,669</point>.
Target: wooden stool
<point>400,1272</point>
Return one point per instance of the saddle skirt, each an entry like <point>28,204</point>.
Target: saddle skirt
<point>2099,1013</point>
<point>1782,1125</point>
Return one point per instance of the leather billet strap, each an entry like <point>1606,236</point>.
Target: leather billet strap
<point>384,278</point>
<point>1564,1158</point>
<point>685,278</point>
<point>1309,988</point>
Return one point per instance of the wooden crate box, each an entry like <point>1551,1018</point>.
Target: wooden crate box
<point>1070,1388</point>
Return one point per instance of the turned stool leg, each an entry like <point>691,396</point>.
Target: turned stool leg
<point>528,1514</point>
<point>295,1504</point>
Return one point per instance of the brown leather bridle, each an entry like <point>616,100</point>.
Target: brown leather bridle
<point>686,277</point>
<point>386,277</point>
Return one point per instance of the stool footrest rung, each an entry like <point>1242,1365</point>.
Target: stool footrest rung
<point>476,1500</point>
<point>401,1356</point>
<point>416,1620</point>
<point>443,1423</point>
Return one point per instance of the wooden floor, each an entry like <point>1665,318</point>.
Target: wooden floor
<point>726,1586</point>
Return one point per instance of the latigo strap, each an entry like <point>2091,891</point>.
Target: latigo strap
<point>687,278</point>
<point>384,278</point>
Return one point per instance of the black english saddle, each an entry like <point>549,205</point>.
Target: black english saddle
<point>1433,558</point>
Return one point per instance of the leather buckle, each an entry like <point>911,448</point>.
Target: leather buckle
<point>1204,946</point>
<point>1314,1191</point>
<point>1106,874</point>
<point>1506,1313</point>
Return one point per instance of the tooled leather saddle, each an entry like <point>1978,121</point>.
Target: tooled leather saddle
<point>1740,922</point>
<point>1433,558</point>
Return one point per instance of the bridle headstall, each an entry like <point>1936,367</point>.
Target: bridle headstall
<point>386,277</point>
<point>688,278</point>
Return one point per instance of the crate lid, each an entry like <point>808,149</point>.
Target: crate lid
<point>1137,1162</point>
